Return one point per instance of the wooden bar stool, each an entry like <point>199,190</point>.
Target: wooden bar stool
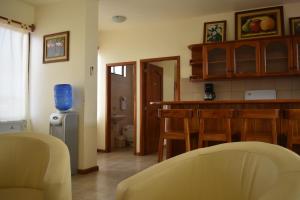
<point>293,115</point>
<point>260,118</point>
<point>184,115</point>
<point>221,123</point>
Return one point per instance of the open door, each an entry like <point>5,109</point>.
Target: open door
<point>108,123</point>
<point>156,83</point>
<point>154,92</point>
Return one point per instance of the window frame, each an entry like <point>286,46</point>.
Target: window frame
<point>123,70</point>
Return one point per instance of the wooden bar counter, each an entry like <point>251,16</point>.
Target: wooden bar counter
<point>177,147</point>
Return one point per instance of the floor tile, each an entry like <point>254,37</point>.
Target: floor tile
<point>113,168</point>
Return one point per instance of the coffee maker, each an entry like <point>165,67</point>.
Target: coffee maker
<point>209,93</point>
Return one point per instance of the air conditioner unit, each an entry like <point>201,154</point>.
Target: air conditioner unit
<point>13,126</point>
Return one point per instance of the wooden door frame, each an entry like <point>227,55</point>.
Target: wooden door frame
<point>143,63</point>
<point>108,104</point>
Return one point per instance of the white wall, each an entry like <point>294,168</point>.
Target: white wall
<point>80,18</point>
<point>169,67</point>
<point>89,135</point>
<point>17,10</point>
<point>160,40</point>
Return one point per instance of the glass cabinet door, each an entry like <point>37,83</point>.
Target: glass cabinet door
<point>216,61</point>
<point>297,54</point>
<point>245,59</point>
<point>276,56</point>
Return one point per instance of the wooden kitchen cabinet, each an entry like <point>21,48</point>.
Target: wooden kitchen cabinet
<point>296,49</point>
<point>245,57</point>
<point>276,56</point>
<point>216,61</point>
<point>196,62</point>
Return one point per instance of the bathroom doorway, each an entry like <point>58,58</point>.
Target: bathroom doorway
<point>160,81</point>
<point>121,107</point>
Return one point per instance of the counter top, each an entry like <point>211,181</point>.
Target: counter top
<point>265,101</point>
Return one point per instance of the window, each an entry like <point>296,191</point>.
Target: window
<point>13,73</point>
<point>118,70</point>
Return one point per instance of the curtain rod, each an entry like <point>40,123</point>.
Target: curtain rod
<point>24,26</point>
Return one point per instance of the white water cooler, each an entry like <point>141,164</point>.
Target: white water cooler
<point>64,125</point>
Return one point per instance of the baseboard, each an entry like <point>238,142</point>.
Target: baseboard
<point>88,170</point>
<point>102,151</point>
<point>138,154</point>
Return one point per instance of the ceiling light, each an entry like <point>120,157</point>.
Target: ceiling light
<point>119,19</point>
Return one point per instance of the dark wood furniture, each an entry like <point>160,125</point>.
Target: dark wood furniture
<point>184,115</point>
<point>251,117</point>
<point>278,56</point>
<point>293,115</point>
<point>220,131</point>
<point>175,147</point>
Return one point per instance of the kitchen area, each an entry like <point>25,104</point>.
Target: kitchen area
<point>257,74</point>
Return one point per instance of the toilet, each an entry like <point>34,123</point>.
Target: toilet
<point>127,131</point>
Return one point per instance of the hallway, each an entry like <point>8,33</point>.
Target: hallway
<point>113,168</point>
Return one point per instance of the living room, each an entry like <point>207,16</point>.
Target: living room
<point>151,30</point>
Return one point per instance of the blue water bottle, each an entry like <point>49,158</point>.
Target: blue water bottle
<point>63,97</point>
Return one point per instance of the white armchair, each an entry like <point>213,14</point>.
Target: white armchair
<point>34,167</point>
<point>231,171</point>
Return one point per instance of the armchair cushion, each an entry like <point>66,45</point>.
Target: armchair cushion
<point>231,171</point>
<point>34,166</point>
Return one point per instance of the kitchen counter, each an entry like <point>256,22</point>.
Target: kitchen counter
<point>177,147</point>
<point>265,101</point>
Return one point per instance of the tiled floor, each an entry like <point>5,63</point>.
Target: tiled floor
<point>113,167</point>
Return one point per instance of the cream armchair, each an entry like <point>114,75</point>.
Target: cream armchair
<point>34,167</point>
<point>232,171</point>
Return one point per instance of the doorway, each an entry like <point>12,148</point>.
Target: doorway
<point>120,132</point>
<point>160,81</point>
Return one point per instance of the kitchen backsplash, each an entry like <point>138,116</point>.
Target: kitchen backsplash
<point>286,88</point>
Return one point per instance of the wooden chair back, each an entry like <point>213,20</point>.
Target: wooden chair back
<point>184,114</point>
<point>215,113</point>
<point>293,115</point>
<point>259,113</point>
<point>224,132</point>
<point>262,115</point>
<point>175,113</point>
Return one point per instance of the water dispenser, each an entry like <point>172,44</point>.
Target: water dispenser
<point>64,122</point>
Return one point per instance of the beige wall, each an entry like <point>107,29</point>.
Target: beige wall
<point>80,18</point>
<point>168,39</point>
<point>169,67</point>
<point>17,10</point>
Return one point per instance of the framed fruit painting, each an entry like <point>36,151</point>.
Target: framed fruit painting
<point>260,23</point>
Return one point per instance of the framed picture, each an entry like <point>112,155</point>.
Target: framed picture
<point>295,26</point>
<point>260,23</point>
<point>214,32</point>
<point>56,47</point>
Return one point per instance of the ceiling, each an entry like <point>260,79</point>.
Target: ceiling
<point>152,11</point>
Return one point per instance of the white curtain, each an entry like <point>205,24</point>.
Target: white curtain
<point>13,73</point>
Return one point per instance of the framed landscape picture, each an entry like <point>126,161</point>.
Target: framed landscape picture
<point>295,26</point>
<point>260,23</point>
<point>56,47</point>
<point>214,32</point>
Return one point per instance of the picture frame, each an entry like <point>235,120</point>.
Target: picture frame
<point>56,47</point>
<point>294,26</point>
<point>214,31</point>
<point>259,23</point>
